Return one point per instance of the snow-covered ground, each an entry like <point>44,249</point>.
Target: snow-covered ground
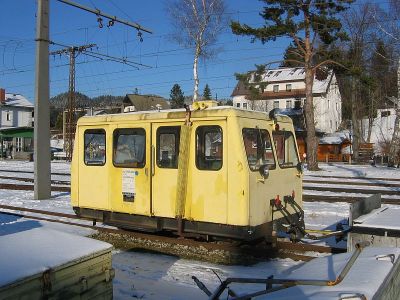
<point>156,276</point>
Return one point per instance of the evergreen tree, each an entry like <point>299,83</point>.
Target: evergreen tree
<point>59,121</point>
<point>207,93</point>
<point>177,99</point>
<point>290,56</point>
<point>313,27</point>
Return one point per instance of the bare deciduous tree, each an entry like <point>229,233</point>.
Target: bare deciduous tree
<point>197,24</point>
<point>392,29</point>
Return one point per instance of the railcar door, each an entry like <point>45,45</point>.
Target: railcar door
<point>258,151</point>
<point>130,170</point>
<point>93,171</point>
<point>208,175</point>
<point>164,170</point>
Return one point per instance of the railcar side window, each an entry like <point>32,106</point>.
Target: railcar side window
<point>129,148</point>
<point>95,147</point>
<point>168,146</point>
<point>209,148</point>
<point>257,143</point>
<point>285,146</point>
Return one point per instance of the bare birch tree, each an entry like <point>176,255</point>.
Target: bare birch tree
<point>392,29</point>
<point>197,24</point>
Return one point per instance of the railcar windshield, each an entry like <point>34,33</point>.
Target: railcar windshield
<point>285,145</point>
<point>257,143</point>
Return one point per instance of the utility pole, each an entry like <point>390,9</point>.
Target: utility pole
<point>42,170</point>
<point>69,133</point>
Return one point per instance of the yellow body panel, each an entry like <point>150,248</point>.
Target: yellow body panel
<point>232,195</point>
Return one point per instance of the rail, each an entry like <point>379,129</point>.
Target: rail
<point>158,242</point>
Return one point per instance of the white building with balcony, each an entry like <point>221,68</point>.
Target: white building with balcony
<point>284,88</point>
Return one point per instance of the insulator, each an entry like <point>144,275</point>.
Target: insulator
<point>110,23</point>
<point>140,34</point>
<point>100,21</point>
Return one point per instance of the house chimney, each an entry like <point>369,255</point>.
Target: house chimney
<point>2,96</point>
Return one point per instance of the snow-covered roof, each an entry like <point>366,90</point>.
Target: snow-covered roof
<point>336,138</point>
<point>17,100</point>
<point>295,74</point>
<point>284,75</point>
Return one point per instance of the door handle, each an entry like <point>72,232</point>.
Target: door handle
<point>153,160</point>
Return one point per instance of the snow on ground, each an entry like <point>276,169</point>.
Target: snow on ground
<point>341,169</point>
<point>156,276</point>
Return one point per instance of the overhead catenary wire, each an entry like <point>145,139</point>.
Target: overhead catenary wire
<point>110,17</point>
<point>158,53</point>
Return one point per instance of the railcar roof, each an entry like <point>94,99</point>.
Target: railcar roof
<point>174,114</point>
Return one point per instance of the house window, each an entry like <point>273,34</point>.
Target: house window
<point>288,103</point>
<point>270,73</point>
<point>245,105</point>
<point>276,104</point>
<point>288,87</point>
<point>277,73</point>
<point>209,148</point>
<point>18,144</point>
<point>297,104</point>
<point>385,113</point>
<point>276,88</point>
<point>8,116</point>
<point>238,105</point>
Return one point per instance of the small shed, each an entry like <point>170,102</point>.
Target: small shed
<point>16,142</point>
<point>333,147</point>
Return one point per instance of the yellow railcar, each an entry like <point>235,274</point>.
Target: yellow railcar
<point>215,171</point>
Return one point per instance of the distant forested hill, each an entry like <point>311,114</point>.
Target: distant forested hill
<point>61,100</point>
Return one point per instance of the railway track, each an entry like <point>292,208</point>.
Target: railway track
<point>31,172</point>
<point>380,183</point>
<point>341,188</point>
<point>27,179</point>
<point>344,198</point>
<point>220,252</point>
<point>30,187</point>
<point>353,177</point>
